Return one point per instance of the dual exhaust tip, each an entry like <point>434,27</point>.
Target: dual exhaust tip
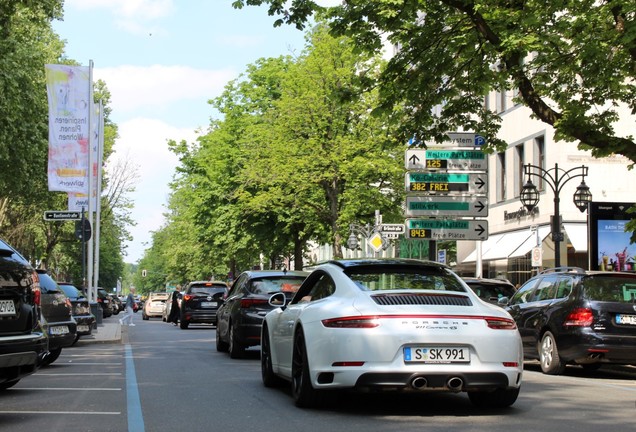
<point>454,384</point>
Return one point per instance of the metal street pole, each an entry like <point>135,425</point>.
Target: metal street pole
<point>556,178</point>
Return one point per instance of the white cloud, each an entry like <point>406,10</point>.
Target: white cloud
<point>143,142</point>
<point>133,87</point>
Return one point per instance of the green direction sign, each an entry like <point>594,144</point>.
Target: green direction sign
<point>438,182</point>
<point>460,160</point>
<point>445,205</point>
<point>447,229</point>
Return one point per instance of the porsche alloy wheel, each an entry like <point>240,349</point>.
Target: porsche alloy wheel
<point>305,395</point>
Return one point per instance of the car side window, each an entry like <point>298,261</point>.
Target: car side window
<point>238,285</point>
<point>524,293</point>
<point>564,287</point>
<point>546,290</point>
<point>323,288</point>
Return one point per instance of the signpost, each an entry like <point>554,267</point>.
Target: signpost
<point>447,229</point>
<point>53,215</point>
<point>446,159</point>
<point>437,182</point>
<point>446,205</point>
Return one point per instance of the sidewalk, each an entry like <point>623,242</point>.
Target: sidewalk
<point>109,331</point>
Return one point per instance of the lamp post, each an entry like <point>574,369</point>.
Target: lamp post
<point>556,178</point>
<point>366,231</point>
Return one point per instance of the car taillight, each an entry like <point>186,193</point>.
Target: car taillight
<point>501,323</point>
<point>188,297</point>
<point>579,317</point>
<point>352,322</point>
<point>247,303</point>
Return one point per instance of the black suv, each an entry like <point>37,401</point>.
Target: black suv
<point>81,309</point>
<point>23,344</point>
<point>569,315</point>
<point>201,300</point>
<point>57,317</point>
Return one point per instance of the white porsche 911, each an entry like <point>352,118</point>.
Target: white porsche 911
<point>390,324</point>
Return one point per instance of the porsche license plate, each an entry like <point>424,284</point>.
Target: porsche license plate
<point>436,354</point>
<point>626,319</point>
<point>208,304</point>
<point>7,308</point>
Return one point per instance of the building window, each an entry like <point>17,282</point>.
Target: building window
<point>501,171</point>
<point>539,152</point>
<point>500,101</point>
<point>520,161</point>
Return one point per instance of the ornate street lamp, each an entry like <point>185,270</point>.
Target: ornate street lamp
<point>556,178</point>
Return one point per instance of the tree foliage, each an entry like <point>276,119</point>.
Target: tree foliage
<point>296,158</point>
<point>572,62</point>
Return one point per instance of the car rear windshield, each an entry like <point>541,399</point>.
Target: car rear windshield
<point>273,285</point>
<point>376,278</point>
<point>610,288</point>
<point>71,291</point>
<point>206,289</point>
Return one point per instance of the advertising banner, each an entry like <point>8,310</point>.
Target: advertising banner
<point>68,96</point>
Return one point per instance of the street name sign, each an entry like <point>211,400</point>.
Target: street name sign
<point>443,159</point>
<point>447,229</point>
<point>392,228</point>
<point>441,182</point>
<point>53,215</point>
<point>446,205</point>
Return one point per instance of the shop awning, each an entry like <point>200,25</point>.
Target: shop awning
<point>508,245</point>
<point>577,233</point>
<point>531,242</point>
<point>486,245</point>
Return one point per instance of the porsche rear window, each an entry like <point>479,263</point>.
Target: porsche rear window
<point>376,278</point>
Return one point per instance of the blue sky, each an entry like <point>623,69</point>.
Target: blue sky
<point>162,60</point>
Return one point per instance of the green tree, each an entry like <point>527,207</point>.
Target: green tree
<point>573,63</point>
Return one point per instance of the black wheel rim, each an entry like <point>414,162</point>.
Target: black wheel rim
<point>298,364</point>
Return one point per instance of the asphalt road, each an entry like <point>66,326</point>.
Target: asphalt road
<point>162,378</point>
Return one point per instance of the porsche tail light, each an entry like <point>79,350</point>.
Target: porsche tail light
<point>352,322</point>
<point>501,323</point>
<point>579,317</point>
<point>247,303</point>
<point>188,297</point>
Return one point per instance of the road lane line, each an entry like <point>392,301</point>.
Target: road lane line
<point>135,415</point>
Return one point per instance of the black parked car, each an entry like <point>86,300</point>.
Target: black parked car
<point>240,317</point>
<point>23,344</point>
<point>491,290</point>
<point>81,309</point>
<point>57,317</point>
<point>571,316</point>
<point>200,301</point>
<point>104,299</point>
